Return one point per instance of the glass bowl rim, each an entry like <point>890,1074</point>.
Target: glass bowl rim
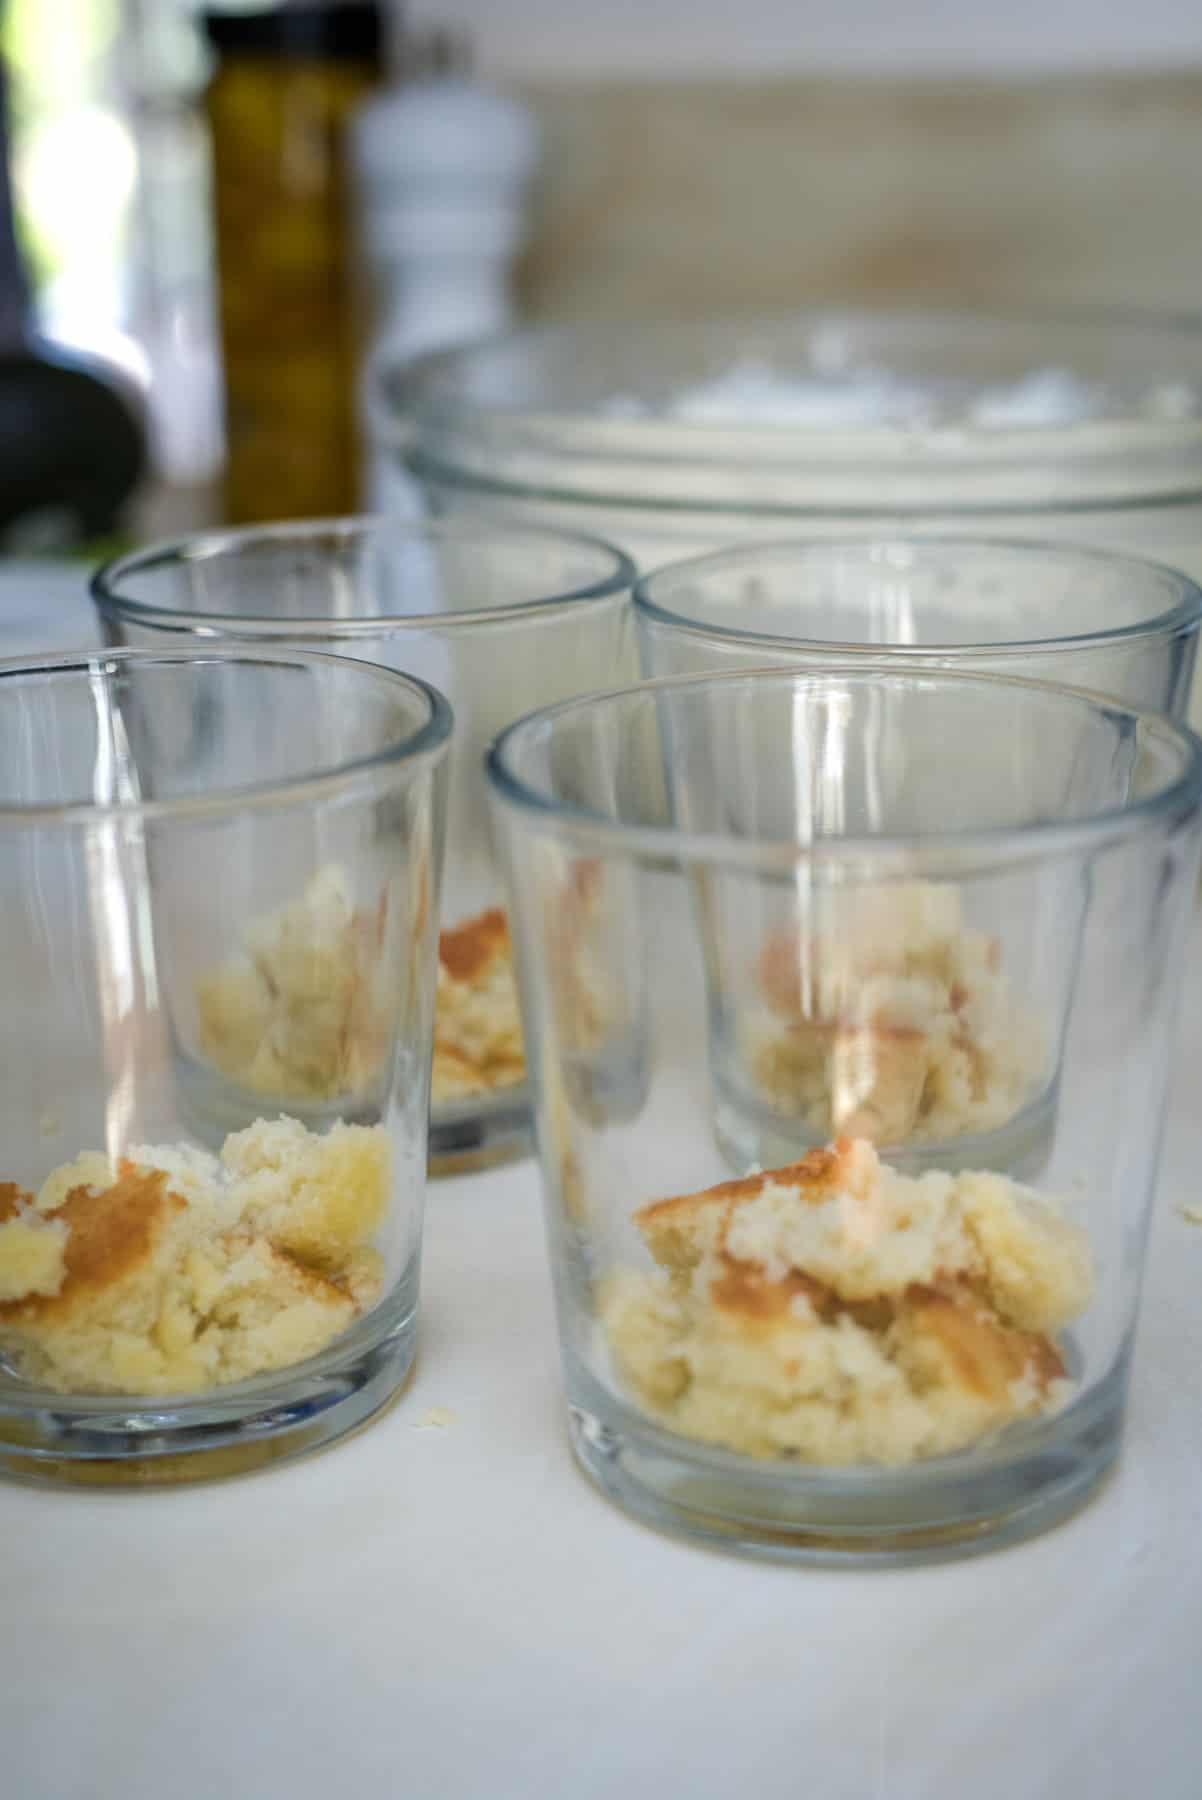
<point>426,409</point>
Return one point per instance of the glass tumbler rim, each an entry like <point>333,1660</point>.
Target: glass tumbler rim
<point>1177,798</point>
<point>1183,616</point>
<point>221,541</point>
<point>428,740</point>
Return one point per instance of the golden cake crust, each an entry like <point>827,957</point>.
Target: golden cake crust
<point>466,950</point>
<point>679,1229</point>
<point>12,1199</point>
<point>982,1355</point>
<point>111,1234</point>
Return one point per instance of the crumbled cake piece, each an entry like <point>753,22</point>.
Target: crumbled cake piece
<point>298,1014</point>
<point>837,1311</point>
<point>890,1020</point>
<point>477,1022</point>
<point>478,1043</point>
<point>31,1246</point>
<point>174,1272</point>
<point>319,1198</point>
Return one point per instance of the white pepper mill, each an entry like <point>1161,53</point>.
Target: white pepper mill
<point>442,166</point>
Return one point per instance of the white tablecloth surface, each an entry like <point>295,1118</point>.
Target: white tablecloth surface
<point>44,606</point>
<point>452,1611</point>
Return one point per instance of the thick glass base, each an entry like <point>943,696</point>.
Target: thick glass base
<point>480,1132</point>
<point>105,1441</point>
<point>928,1512</point>
<point>755,1137</point>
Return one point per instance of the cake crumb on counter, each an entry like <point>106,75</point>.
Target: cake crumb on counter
<point>436,1418</point>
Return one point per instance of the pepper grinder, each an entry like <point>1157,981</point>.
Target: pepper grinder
<point>442,167</point>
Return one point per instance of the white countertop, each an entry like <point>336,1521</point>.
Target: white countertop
<point>453,1611</point>
<point>44,606</point>
<point>443,1612</point>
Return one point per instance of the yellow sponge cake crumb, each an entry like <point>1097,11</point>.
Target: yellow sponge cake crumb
<point>173,1272</point>
<point>837,1311</point>
<point>889,1018</point>
<point>477,1022</point>
<point>297,1013</point>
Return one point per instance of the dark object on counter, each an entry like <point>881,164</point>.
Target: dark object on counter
<point>72,447</point>
<point>285,86</point>
<point>71,452</point>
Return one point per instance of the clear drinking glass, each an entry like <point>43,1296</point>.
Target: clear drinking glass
<point>220,878</point>
<point>1092,618</point>
<point>502,619</point>
<point>848,998</point>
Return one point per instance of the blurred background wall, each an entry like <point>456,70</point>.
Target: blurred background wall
<point>637,39</point>
<point>739,195</point>
<point>699,155</point>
